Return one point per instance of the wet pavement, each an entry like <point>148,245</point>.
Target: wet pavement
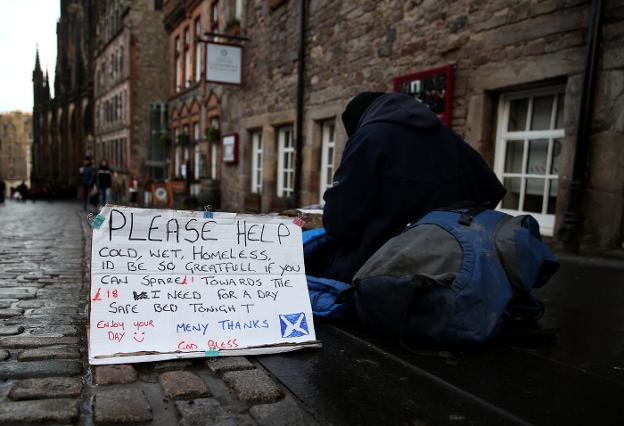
<point>576,379</point>
<point>356,378</point>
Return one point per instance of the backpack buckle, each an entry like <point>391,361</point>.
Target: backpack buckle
<point>467,216</point>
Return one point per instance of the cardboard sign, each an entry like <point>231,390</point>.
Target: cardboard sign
<point>173,284</point>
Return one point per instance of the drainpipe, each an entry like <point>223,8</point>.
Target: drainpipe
<point>570,231</point>
<point>300,87</point>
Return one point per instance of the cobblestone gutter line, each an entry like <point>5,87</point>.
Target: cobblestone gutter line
<point>44,372</point>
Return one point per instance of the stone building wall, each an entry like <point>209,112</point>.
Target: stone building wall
<point>112,87</point>
<point>496,47</point>
<point>15,148</point>
<point>149,74</point>
<point>130,72</point>
<point>266,100</point>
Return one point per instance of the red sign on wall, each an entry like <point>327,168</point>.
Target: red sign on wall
<point>432,87</point>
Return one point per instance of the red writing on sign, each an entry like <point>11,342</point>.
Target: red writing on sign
<point>110,324</point>
<point>110,294</point>
<point>147,323</point>
<point>186,346</point>
<point>222,344</point>
<point>115,337</point>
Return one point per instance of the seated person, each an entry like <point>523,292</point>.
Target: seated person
<point>399,163</point>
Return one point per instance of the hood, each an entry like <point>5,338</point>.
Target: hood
<point>402,109</point>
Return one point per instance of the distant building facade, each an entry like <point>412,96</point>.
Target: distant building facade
<point>130,74</point>
<point>63,124</point>
<point>506,75</point>
<point>194,106</point>
<point>15,148</point>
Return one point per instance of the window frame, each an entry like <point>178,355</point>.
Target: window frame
<point>256,161</point>
<point>187,58</point>
<point>327,143</point>
<point>546,220</point>
<point>285,176</point>
<point>177,64</point>
<point>196,151</point>
<point>214,16</point>
<point>198,49</point>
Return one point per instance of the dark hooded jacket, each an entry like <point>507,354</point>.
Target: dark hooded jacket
<point>400,163</point>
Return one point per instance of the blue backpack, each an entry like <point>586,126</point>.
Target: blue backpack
<point>454,276</point>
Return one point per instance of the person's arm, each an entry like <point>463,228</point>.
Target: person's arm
<point>349,203</point>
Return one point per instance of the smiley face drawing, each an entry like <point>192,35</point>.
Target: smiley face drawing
<point>139,336</point>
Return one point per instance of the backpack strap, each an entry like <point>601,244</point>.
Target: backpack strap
<point>472,208</point>
<point>467,216</point>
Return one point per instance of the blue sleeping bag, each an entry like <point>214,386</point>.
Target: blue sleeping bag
<point>325,293</point>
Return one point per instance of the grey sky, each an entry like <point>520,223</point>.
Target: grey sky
<point>23,24</point>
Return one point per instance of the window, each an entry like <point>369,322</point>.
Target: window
<point>158,4</point>
<point>124,110</point>
<point>197,50</point>
<point>213,160</point>
<point>214,150</point>
<point>177,153</point>
<point>187,58</point>
<point>121,59</point>
<point>214,16</point>
<point>118,152</point>
<point>124,150</point>
<point>176,70</point>
<point>530,136</point>
<point>285,165</point>
<point>199,164</point>
<point>238,11</point>
<point>256,161</point>
<point>186,142</point>
<point>328,148</point>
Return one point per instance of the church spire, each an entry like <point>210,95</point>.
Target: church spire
<point>47,85</point>
<point>37,75</point>
<point>37,63</point>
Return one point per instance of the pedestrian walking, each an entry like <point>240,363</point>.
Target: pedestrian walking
<point>2,190</point>
<point>87,177</point>
<point>133,189</point>
<point>104,181</point>
<point>23,191</point>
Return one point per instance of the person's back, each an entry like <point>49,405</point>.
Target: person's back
<point>104,181</point>
<point>399,163</point>
<point>22,189</point>
<point>88,175</point>
<point>104,177</point>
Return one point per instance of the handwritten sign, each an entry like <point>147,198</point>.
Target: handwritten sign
<point>173,284</point>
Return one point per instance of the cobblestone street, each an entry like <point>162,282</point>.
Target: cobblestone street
<point>45,377</point>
